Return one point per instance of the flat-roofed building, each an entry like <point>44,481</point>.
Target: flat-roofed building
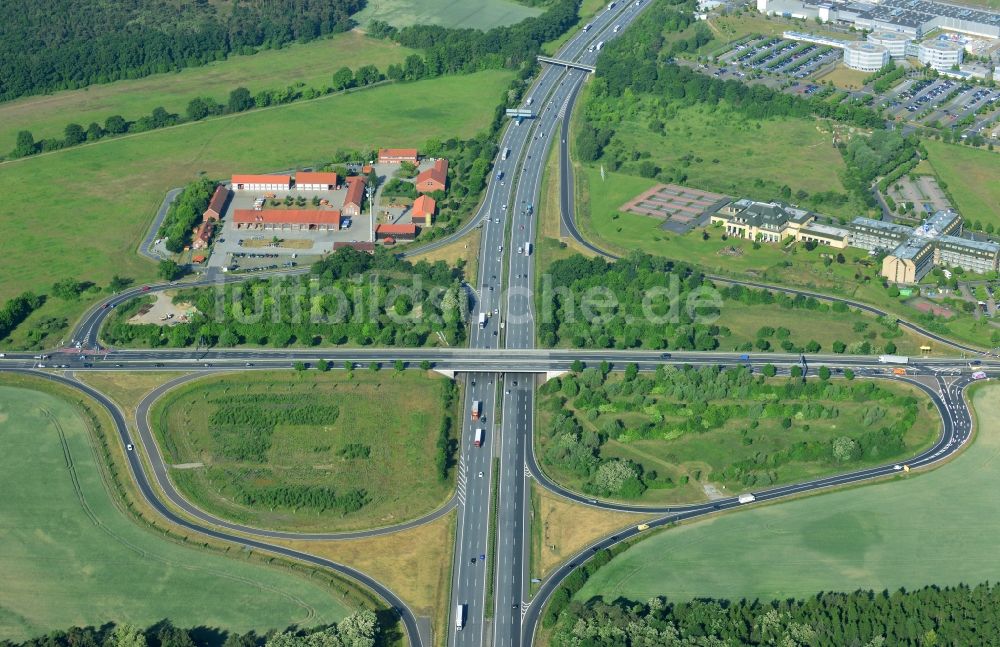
<point>875,235</point>
<point>262,182</point>
<point>865,57</point>
<point>814,232</point>
<point>909,262</point>
<point>971,255</point>
<point>941,55</point>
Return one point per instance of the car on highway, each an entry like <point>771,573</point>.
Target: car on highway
<point>145,288</point>
<point>129,447</point>
<point>664,355</point>
<point>480,475</point>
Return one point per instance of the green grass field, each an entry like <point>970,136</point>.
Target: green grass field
<point>108,192</point>
<point>70,557</point>
<point>478,14</point>
<point>720,150</point>
<point>311,64</point>
<point>695,463</point>
<point>934,528</point>
<point>395,416</point>
<point>971,176</point>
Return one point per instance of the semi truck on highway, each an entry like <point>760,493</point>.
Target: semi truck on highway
<point>893,359</point>
<point>506,154</point>
<point>747,498</point>
<point>460,617</point>
<point>527,249</point>
<point>478,442</point>
<point>482,319</point>
<point>475,409</point>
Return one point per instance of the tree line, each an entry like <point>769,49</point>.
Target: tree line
<point>185,212</point>
<point>330,306</point>
<point>360,629</point>
<point>17,310</point>
<point>56,45</point>
<point>932,615</point>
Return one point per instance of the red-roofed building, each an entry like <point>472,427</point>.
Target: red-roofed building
<point>399,232</point>
<point>423,210</point>
<point>262,182</point>
<point>316,181</point>
<point>355,198</point>
<point>435,178</point>
<point>368,248</point>
<point>198,259</point>
<point>203,235</point>
<point>397,155</point>
<point>287,219</point>
<point>217,203</point>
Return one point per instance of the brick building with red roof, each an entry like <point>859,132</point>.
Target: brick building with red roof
<point>435,178</point>
<point>355,198</point>
<point>423,210</point>
<point>397,232</point>
<point>287,219</point>
<point>217,204</point>
<point>316,181</point>
<point>262,182</point>
<point>397,155</point>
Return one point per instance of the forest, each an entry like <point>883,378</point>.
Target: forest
<point>959,615</point>
<point>17,310</point>
<point>360,629</point>
<point>817,422</point>
<point>396,303</point>
<point>52,45</point>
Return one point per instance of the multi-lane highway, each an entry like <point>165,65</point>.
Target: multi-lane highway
<point>497,372</point>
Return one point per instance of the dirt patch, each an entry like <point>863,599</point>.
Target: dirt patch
<point>163,311</point>
<point>938,311</point>
<point>187,466</point>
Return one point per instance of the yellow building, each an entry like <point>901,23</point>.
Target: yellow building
<point>767,222</point>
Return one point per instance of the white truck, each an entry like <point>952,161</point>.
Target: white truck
<point>460,617</point>
<point>893,359</point>
<point>482,319</point>
<point>527,249</point>
<point>747,498</point>
<point>600,45</point>
<point>506,153</point>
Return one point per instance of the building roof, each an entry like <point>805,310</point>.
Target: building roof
<point>355,190</point>
<point>262,179</point>
<point>911,249</point>
<point>829,231</point>
<point>396,230</point>
<point>975,246</point>
<point>424,206</point>
<point>398,153</point>
<point>936,225</point>
<point>437,173</point>
<point>316,177</point>
<point>885,227</point>
<point>769,215</point>
<point>204,231</point>
<point>218,201</point>
<point>287,216</point>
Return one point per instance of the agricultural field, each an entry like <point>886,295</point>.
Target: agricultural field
<point>117,185</point>
<point>327,451</point>
<point>311,64</point>
<point>477,14</point>
<point>971,177</point>
<point>70,556</point>
<point>723,151</point>
<point>684,436</point>
<point>936,527</point>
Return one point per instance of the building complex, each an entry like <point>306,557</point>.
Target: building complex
<point>910,252</point>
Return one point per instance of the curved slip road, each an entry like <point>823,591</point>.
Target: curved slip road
<point>148,494</point>
<point>147,441</point>
<point>956,431</point>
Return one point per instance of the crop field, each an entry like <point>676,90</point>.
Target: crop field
<point>743,437</point>
<point>110,191</point>
<point>311,64</point>
<point>478,14</point>
<point>70,557</point>
<point>971,176</point>
<point>939,527</point>
<point>324,452</point>
<point>722,151</point>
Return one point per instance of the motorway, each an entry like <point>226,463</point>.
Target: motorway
<point>495,370</point>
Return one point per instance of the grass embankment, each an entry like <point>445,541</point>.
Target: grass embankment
<point>316,452</point>
<point>937,527</point>
<point>587,9</point>
<point>477,14</point>
<point>414,564</point>
<point>126,389</point>
<point>702,452</point>
<point>560,528</point>
<point>117,185</point>
<point>971,177</point>
<point>70,556</point>
<point>311,64</point>
<point>845,78</point>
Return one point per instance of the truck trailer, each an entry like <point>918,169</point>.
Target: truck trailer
<point>893,359</point>
<point>478,442</point>
<point>482,319</point>
<point>475,409</point>
<point>747,498</point>
<point>460,617</point>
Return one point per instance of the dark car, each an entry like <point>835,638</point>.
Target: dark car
<point>664,355</point>
<point>145,288</point>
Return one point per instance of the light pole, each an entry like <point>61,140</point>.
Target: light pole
<point>371,209</point>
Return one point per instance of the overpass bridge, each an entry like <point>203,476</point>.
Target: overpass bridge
<point>559,61</point>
